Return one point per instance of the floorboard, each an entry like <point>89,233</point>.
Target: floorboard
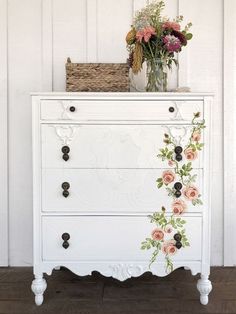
<point>70,294</point>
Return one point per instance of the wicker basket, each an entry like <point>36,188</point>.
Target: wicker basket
<point>97,77</point>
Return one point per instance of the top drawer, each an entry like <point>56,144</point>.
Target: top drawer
<point>125,110</point>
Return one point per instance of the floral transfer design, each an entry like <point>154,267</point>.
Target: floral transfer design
<point>179,181</point>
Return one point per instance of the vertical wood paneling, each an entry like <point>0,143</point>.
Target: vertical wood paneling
<point>229,133</point>
<point>47,48</point>
<point>92,36</point>
<point>3,136</point>
<point>113,22</point>
<point>138,4</point>
<point>203,70</point>
<point>69,37</point>
<point>183,70</point>
<point>24,73</point>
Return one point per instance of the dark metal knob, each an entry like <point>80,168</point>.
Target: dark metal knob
<point>65,237</point>
<point>72,109</point>
<point>178,245</point>
<point>171,109</point>
<point>178,237</point>
<point>65,186</point>
<point>65,157</point>
<point>178,194</point>
<point>178,186</point>
<point>65,149</point>
<point>66,193</point>
<point>178,157</point>
<point>178,150</point>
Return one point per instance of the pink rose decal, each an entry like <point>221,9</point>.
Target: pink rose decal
<point>157,234</point>
<point>169,248</point>
<point>171,25</point>
<point>190,154</point>
<point>196,136</point>
<point>168,176</point>
<point>171,163</point>
<point>191,193</point>
<point>179,207</point>
<point>168,229</point>
<point>145,34</point>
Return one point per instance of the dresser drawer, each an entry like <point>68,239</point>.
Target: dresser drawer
<point>109,146</point>
<point>108,191</point>
<point>127,110</point>
<point>110,239</point>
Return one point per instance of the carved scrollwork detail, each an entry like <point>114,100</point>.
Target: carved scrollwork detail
<point>65,115</point>
<point>125,271</point>
<point>177,113</point>
<point>65,133</point>
<point>178,133</point>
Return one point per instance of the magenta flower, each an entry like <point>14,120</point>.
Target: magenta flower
<point>145,33</point>
<point>172,43</point>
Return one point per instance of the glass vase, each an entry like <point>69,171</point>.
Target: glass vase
<point>157,75</point>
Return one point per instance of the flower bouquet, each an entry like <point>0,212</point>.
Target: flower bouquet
<point>156,40</point>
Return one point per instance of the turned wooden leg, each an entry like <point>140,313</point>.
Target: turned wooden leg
<point>38,287</point>
<point>204,286</point>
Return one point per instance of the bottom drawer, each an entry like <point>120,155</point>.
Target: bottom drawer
<point>108,238</point>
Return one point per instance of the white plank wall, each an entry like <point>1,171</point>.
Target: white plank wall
<point>43,33</point>
<point>3,136</point>
<point>229,132</point>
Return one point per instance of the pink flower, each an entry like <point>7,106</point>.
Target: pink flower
<point>196,136</point>
<point>171,25</point>
<point>145,33</point>
<point>172,43</point>
<point>179,207</point>
<point>157,234</point>
<point>191,193</point>
<point>171,163</point>
<point>169,247</point>
<point>168,176</point>
<point>168,229</point>
<point>190,154</point>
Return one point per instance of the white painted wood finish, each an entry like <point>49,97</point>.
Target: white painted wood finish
<point>109,191</point>
<point>112,183</point>
<point>229,133</point>
<point>105,238</point>
<point>36,51</point>
<point>3,136</point>
<point>109,143</point>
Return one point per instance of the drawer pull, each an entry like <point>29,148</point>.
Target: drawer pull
<point>178,186</point>
<point>65,186</point>
<point>178,150</point>
<point>178,237</point>
<point>65,150</point>
<point>65,237</point>
<point>171,109</point>
<point>72,109</point>
<point>178,245</point>
<point>178,157</point>
<point>178,194</point>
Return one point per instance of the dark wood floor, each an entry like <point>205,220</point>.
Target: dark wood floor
<point>70,294</point>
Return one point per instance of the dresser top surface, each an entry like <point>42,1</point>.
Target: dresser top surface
<point>131,95</point>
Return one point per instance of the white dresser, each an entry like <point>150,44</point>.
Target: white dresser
<point>121,185</point>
